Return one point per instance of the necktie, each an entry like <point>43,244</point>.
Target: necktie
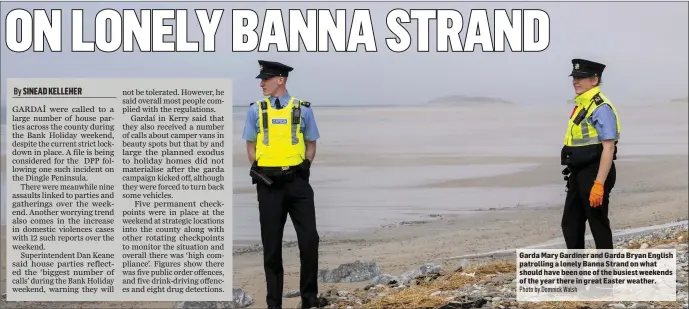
<point>277,104</point>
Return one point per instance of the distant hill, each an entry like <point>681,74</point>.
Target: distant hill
<point>461,100</point>
<point>684,100</point>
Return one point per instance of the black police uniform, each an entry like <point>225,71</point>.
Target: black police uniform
<point>287,192</point>
<point>581,171</point>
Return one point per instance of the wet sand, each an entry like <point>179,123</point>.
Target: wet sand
<point>497,186</point>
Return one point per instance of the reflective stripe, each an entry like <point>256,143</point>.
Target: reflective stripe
<point>585,141</point>
<point>264,111</point>
<point>584,129</point>
<point>296,120</point>
<point>295,138</point>
<point>588,140</point>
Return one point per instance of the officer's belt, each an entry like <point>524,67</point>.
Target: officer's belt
<point>280,173</point>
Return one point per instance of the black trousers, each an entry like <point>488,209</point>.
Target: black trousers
<point>578,209</point>
<point>293,197</point>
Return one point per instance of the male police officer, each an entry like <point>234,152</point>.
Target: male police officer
<point>590,146</point>
<point>281,134</point>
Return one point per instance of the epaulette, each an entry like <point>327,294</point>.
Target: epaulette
<point>597,99</point>
<point>252,103</point>
<point>305,103</point>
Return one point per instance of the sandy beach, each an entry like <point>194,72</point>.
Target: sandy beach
<point>655,192</point>
<point>464,182</point>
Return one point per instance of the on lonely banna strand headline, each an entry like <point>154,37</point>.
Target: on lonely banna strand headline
<point>167,30</point>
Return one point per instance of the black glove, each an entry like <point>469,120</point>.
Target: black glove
<point>306,164</point>
<point>253,167</point>
<point>305,169</point>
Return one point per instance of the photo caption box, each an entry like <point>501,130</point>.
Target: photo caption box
<point>596,275</point>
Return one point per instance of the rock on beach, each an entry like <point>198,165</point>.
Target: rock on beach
<point>357,271</point>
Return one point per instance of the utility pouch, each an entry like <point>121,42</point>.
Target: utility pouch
<point>260,177</point>
<point>578,157</point>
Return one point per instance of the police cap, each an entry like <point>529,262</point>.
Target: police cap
<point>270,69</point>
<point>586,68</point>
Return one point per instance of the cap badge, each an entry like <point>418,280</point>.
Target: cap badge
<point>576,66</point>
<point>260,67</point>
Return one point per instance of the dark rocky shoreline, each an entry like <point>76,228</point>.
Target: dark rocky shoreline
<point>490,283</point>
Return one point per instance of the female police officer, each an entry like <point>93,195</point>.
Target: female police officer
<point>590,146</point>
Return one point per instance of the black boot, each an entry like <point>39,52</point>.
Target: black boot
<point>319,302</point>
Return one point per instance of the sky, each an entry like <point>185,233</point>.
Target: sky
<point>644,45</point>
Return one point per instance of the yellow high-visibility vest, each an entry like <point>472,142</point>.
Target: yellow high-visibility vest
<point>584,133</point>
<point>280,141</point>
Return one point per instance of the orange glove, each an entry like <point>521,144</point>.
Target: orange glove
<point>596,196</point>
